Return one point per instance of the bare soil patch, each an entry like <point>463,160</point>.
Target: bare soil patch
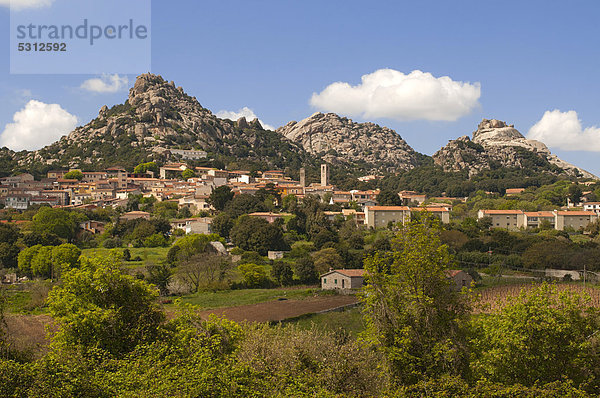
<point>28,332</point>
<point>279,310</point>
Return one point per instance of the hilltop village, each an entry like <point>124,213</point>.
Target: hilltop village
<point>191,188</point>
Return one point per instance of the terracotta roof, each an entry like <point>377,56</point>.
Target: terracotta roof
<point>431,209</point>
<point>576,213</point>
<point>502,211</point>
<point>347,272</point>
<point>389,208</point>
<point>136,213</point>
<point>539,214</point>
<point>261,213</point>
<point>453,272</point>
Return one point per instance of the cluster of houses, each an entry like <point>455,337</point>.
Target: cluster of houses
<point>515,220</point>
<point>113,186</point>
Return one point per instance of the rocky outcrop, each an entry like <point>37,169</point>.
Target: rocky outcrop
<point>157,114</point>
<point>496,144</point>
<point>339,139</point>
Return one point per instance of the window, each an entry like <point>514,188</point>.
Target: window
<point>335,281</point>
<point>324,280</point>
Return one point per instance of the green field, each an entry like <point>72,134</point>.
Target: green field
<point>232,298</point>
<point>28,298</point>
<point>350,321</point>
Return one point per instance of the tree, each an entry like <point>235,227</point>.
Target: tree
<point>325,259</point>
<point>253,275</point>
<point>9,233</point>
<point>8,255</point>
<point>305,270</point>
<point>256,234</point>
<point>574,193</point>
<point>74,175</point>
<point>156,240</point>
<point>206,269</point>
<point>99,307</point>
<point>411,312</point>
<point>324,236</point>
<point>543,255</point>
<point>389,198</point>
<point>289,202</point>
<point>166,209</point>
<point>282,273</point>
<point>56,221</point>
<point>25,258</point>
<point>187,174</point>
<point>222,224</point>
<point>160,276</point>
<point>244,204</point>
<point>191,245</point>
<point>269,195</point>
<point>43,238</point>
<point>65,257</point>
<point>41,264</point>
<point>220,196</point>
<point>541,336</point>
<point>146,167</point>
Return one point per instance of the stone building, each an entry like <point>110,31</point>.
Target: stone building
<point>342,279</point>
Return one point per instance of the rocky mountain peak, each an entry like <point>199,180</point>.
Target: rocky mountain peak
<point>495,130</point>
<point>156,117</point>
<point>497,143</point>
<point>338,139</point>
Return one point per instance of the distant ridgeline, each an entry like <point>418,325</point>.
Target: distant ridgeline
<point>160,122</point>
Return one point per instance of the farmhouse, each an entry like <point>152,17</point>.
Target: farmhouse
<point>342,279</point>
<point>461,278</point>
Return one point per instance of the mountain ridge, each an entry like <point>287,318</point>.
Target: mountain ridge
<point>339,139</point>
<point>158,116</point>
<point>497,144</point>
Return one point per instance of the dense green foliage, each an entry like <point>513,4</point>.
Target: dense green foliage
<point>412,312</point>
<point>99,308</point>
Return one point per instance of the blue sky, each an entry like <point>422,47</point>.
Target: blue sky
<point>529,58</point>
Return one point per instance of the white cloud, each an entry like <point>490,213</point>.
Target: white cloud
<point>563,130</point>
<point>105,84</point>
<point>17,5</point>
<point>37,125</point>
<point>244,112</point>
<point>388,93</point>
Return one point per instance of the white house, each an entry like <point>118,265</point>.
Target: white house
<point>193,225</point>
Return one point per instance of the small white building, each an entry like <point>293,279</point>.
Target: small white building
<point>193,225</point>
<point>275,255</point>
<point>343,279</point>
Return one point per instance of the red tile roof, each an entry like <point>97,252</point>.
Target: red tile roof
<point>576,213</point>
<point>389,208</point>
<point>502,211</point>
